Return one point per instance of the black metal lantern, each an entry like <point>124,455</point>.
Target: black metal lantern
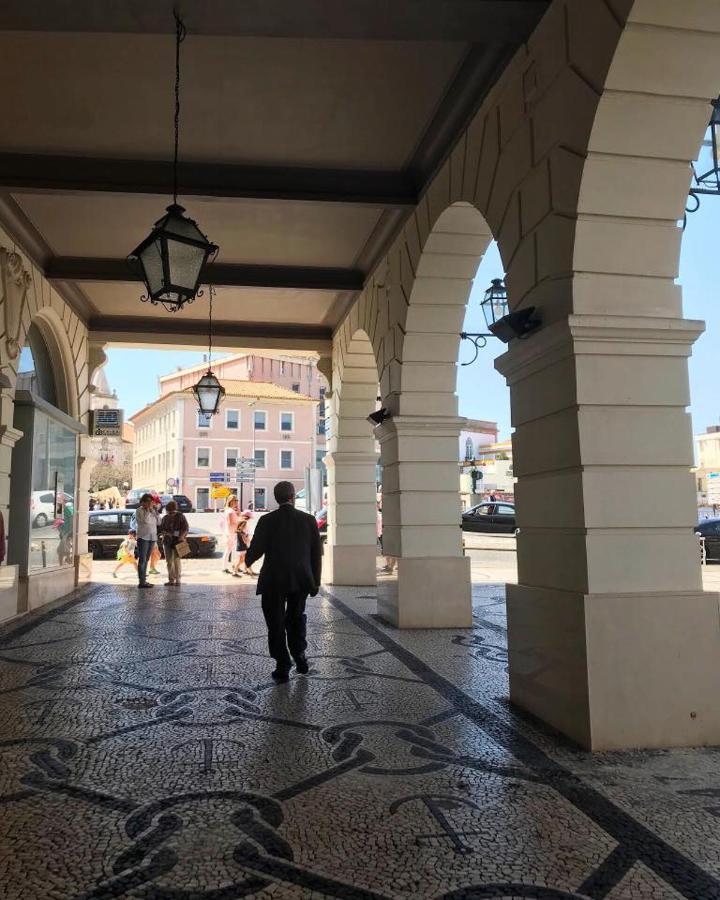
<point>495,302</point>
<point>208,392</point>
<point>171,259</point>
<point>707,182</point>
<point>501,323</point>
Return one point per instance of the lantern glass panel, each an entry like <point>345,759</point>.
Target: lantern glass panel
<point>185,262</point>
<point>151,261</point>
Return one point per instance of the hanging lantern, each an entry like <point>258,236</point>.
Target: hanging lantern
<point>209,394</point>
<point>495,302</point>
<point>208,391</point>
<point>171,259</point>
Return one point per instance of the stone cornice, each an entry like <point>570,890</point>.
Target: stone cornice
<point>598,335</point>
<point>420,426</point>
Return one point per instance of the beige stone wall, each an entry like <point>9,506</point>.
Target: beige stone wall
<point>578,163</point>
<point>26,297</point>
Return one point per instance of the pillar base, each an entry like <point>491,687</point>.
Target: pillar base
<point>350,565</point>
<point>617,671</point>
<point>429,592</point>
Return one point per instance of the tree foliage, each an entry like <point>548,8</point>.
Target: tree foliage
<point>106,475</point>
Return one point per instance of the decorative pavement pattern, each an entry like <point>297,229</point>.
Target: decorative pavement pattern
<point>146,753</point>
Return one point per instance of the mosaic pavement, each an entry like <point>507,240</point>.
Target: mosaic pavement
<point>146,753</point>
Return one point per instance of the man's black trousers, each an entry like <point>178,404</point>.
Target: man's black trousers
<point>285,615</point>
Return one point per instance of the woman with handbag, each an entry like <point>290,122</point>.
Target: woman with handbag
<point>174,528</point>
<point>243,542</point>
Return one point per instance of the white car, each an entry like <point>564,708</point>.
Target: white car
<point>301,500</point>
<point>42,507</point>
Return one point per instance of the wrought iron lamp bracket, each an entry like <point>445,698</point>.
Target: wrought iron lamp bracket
<point>478,340</point>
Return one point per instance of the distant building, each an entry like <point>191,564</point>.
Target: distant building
<point>278,422</point>
<point>707,454</point>
<point>115,450</point>
<point>475,437</point>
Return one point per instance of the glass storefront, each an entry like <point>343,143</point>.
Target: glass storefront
<point>52,503</point>
<point>42,532</point>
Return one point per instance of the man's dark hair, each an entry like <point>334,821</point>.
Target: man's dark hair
<point>145,497</point>
<point>284,491</point>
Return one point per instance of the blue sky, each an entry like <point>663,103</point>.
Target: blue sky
<point>482,391</point>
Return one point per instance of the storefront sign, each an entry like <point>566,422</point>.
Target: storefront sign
<point>107,422</point>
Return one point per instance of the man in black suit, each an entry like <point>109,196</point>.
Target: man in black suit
<point>290,542</point>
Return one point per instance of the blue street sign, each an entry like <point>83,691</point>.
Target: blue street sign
<point>217,477</point>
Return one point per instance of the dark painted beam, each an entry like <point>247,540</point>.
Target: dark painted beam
<point>162,327</point>
<point>308,278</point>
<point>434,20</point>
<point>38,172</point>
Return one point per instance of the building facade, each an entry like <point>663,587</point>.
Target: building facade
<point>707,453</point>
<point>179,450</point>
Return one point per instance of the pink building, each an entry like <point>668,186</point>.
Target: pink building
<point>279,423</point>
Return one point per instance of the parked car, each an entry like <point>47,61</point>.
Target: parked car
<point>107,528</point>
<point>321,519</point>
<point>132,501</point>
<point>710,530</point>
<point>493,517</point>
<point>183,503</point>
<point>42,507</point>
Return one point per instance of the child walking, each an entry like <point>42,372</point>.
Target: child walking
<point>126,553</point>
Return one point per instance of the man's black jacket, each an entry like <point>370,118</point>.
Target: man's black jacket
<point>290,542</point>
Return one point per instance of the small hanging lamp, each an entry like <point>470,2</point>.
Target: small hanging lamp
<point>171,259</point>
<point>208,391</point>
<point>495,302</point>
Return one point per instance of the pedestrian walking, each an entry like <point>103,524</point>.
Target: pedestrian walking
<point>147,526</point>
<point>290,542</point>
<point>242,536</point>
<point>126,553</point>
<point>231,517</point>
<point>173,528</point>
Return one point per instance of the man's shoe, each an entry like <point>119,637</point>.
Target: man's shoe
<point>280,674</point>
<point>146,584</point>
<point>301,664</point>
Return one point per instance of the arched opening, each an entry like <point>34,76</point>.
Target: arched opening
<point>351,463</point>
<point>420,443</point>
<point>43,492</point>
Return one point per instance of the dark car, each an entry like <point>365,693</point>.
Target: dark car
<point>498,517</point>
<point>710,530</point>
<point>321,519</point>
<point>108,528</point>
<point>183,503</point>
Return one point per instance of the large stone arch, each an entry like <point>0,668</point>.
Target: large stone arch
<point>26,297</point>
<point>351,462</point>
<point>578,162</point>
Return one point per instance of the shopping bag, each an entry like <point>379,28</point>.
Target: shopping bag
<point>182,548</point>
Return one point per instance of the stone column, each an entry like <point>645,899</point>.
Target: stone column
<point>9,436</point>
<point>421,523</point>
<point>611,638</point>
<point>351,548</point>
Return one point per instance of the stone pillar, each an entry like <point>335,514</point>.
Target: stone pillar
<point>9,436</point>
<point>611,638</point>
<point>351,548</point>
<point>421,523</point>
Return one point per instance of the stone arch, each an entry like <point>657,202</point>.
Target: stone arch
<point>351,461</point>
<point>58,346</point>
<point>423,374</point>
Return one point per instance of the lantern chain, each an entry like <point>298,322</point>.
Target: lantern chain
<point>211,291</point>
<point>180,33</point>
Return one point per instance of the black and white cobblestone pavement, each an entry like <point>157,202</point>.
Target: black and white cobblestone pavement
<point>146,753</point>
